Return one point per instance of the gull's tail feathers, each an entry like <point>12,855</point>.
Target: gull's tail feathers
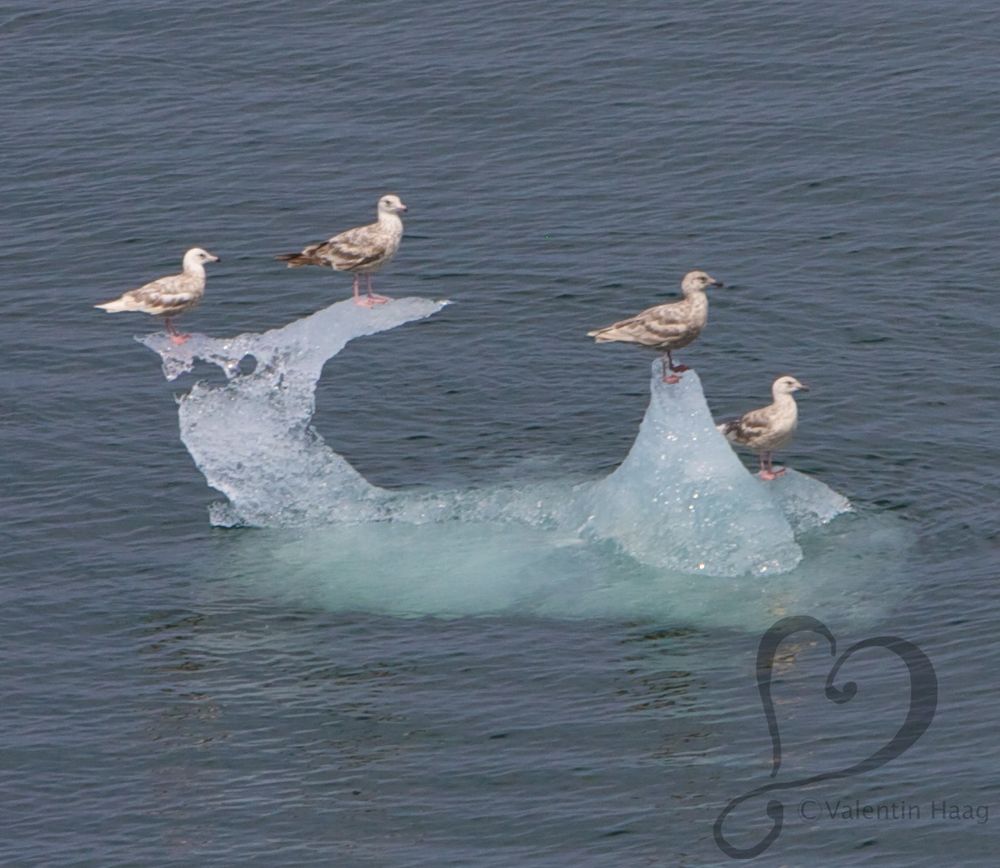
<point>120,304</point>
<point>297,260</point>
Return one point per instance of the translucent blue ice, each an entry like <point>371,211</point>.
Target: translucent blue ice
<point>681,530</point>
<point>252,437</point>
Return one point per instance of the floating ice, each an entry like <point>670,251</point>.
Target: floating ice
<point>683,500</point>
<point>681,503</point>
<point>806,502</point>
<point>252,437</point>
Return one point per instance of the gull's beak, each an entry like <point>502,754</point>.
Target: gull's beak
<point>803,387</point>
<point>216,258</point>
<point>718,283</point>
<point>403,208</point>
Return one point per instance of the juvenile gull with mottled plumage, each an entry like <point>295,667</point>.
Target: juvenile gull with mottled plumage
<point>765,430</point>
<point>666,327</point>
<point>168,296</point>
<point>362,250</point>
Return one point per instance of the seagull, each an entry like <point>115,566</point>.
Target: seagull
<point>362,250</point>
<point>666,327</point>
<point>168,296</point>
<point>769,428</point>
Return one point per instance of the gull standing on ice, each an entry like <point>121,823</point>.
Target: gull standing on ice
<point>666,327</point>
<point>765,430</point>
<point>168,296</point>
<point>362,250</point>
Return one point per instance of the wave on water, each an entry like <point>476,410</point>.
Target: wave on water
<point>680,516</point>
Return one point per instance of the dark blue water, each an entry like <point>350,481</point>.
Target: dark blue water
<point>179,694</point>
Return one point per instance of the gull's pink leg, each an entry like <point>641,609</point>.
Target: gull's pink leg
<point>358,300</point>
<point>374,296</point>
<point>671,378</point>
<point>176,337</point>
<point>680,369</point>
<point>770,465</point>
<point>766,471</point>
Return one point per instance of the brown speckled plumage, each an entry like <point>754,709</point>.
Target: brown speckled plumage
<point>769,428</point>
<point>168,296</point>
<point>665,327</point>
<point>362,250</point>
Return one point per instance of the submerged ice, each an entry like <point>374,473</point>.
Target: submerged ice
<point>681,503</point>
